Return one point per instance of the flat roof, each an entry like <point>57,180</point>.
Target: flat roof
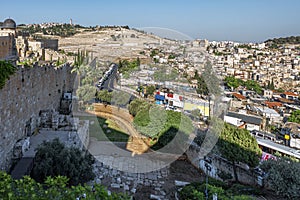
<point>268,111</point>
<point>246,117</point>
<point>278,147</point>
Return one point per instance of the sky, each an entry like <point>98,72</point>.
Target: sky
<point>234,20</point>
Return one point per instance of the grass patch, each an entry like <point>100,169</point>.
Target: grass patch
<point>105,129</point>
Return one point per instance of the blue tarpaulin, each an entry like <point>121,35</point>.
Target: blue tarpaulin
<point>159,97</point>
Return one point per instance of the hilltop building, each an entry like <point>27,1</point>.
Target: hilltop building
<point>8,49</point>
<point>17,45</point>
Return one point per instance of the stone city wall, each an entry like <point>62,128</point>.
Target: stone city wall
<point>29,91</point>
<point>218,164</point>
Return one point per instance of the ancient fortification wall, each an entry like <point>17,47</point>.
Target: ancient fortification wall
<point>24,95</point>
<point>219,164</point>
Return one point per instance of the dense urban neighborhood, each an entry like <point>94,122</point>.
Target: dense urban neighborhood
<point>114,112</point>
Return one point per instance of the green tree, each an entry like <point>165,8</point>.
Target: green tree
<point>202,86</point>
<point>237,145</point>
<point>270,85</point>
<point>196,191</point>
<point>232,82</point>
<point>104,96</point>
<point>295,116</point>
<point>54,159</point>
<point>208,82</point>
<point>138,61</point>
<point>283,177</point>
<point>254,86</point>
<point>171,56</point>
<point>154,52</point>
<point>86,92</point>
<point>140,89</point>
<point>137,105</point>
<point>280,90</point>
<point>196,75</point>
<point>120,98</point>
<point>150,89</point>
<point>150,122</point>
<point>6,70</point>
<point>126,66</point>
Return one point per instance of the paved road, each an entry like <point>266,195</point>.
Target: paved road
<point>108,84</point>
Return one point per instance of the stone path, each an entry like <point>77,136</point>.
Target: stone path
<point>125,182</point>
<point>110,154</point>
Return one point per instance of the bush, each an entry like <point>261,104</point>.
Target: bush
<point>197,191</point>
<point>52,188</point>
<point>283,177</point>
<point>192,191</point>
<point>54,159</point>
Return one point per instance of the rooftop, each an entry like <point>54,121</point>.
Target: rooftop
<point>278,147</point>
<point>290,94</point>
<point>238,96</point>
<point>251,119</point>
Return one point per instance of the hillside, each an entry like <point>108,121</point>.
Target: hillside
<point>286,40</point>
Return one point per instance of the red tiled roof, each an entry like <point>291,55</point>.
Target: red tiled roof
<point>290,94</point>
<point>273,104</point>
<point>239,96</point>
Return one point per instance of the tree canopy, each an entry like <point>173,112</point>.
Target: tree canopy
<point>126,66</point>
<point>295,116</point>
<point>120,98</point>
<point>155,121</point>
<point>283,176</point>
<point>6,70</point>
<point>104,96</point>
<point>233,82</point>
<point>86,92</point>
<point>63,30</point>
<point>207,82</point>
<point>51,188</point>
<point>54,159</point>
<point>197,191</point>
<point>254,86</point>
<point>150,89</point>
<point>202,86</point>
<point>237,145</point>
<point>137,105</point>
<point>249,84</point>
<point>286,40</point>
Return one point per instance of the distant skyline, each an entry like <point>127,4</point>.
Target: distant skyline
<point>234,20</point>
